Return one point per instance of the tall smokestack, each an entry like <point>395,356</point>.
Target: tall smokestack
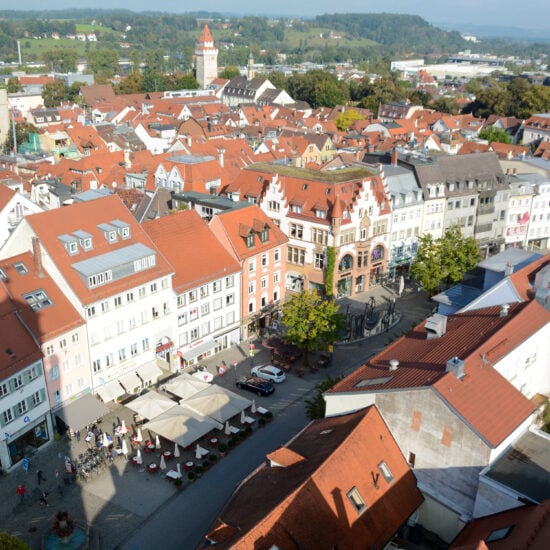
<point>394,157</point>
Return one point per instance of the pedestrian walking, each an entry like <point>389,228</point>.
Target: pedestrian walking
<point>44,498</point>
<point>78,436</point>
<point>40,476</point>
<point>21,492</point>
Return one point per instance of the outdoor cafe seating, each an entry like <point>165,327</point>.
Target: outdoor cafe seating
<point>152,468</point>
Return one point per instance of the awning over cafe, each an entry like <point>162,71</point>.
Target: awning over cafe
<point>110,390</point>
<point>81,412</point>
<point>130,381</point>
<point>151,404</point>
<point>198,350</point>
<point>149,372</point>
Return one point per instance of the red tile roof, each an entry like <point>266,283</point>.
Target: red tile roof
<point>305,504</point>
<point>86,216</point>
<point>524,278</point>
<point>529,529</point>
<point>191,248</point>
<point>483,398</point>
<point>47,322</point>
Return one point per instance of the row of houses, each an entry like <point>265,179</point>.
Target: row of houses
<point>95,303</point>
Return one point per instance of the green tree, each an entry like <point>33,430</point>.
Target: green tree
<point>132,84</point>
<point>445,105</point>
<point>312,322</point>
<point>315,407</point>
<point>103,63</point>
<point>231,71</point>
<point>445,260</point>
<point>53,93</point>
<point>7,542</point>
<point>14,85</point>
<point>535,100</point>
<point>22,131</point>
<point>135,59</point>
<point>344,120</point>
<point>491,133</point>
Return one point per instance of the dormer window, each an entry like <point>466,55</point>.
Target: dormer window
<point>264,235</point>
<point>122,228</point>
<point>110,232</point>
<point>296,208</point>
<point>21,268</point>
<point>73,248</point>
<point>249,239</point>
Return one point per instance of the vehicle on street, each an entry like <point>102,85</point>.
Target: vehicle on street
<point>270,373</point>
<point>256,385</point>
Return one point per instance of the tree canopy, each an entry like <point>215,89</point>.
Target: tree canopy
<point>7,542</point>
<point>444,260</point>
<point>316,407</point>
<point>312,323</point>
<point>491,133</point>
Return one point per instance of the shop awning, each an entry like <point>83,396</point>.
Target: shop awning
<point>198,350</point>
<point>110,390</point>
<point>81,412</point>
<point>130,381</point>
<point>149,372</point>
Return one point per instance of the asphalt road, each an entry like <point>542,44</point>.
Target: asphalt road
<point>183,521</point>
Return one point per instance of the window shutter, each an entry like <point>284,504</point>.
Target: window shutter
<point>42,395</point>
<point>30,404</point>
<point>11,385</point>
<point>26,377</point>
<point>15,411</point>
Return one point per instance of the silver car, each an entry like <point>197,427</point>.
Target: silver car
<point>269,372</point>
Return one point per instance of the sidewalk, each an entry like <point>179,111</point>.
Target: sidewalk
<point>118,501</point>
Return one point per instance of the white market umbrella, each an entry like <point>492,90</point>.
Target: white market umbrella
<point>124,449</point>
<point>253,406</point>
<point>178,468</point>
<point>139,460</point>
<point>198,454</point>
<point>162,464</point>
<point>139,437</point>
<point>157,442</point>
<point>176,450</point>
<point>105,440</point>
<point>401,285</point>
<point>227,430</point>
<point>243,417</point>
<point>123,428</point>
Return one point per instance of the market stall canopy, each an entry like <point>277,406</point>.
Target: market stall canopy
<point>150,372</point>
<point>181,425</point>
<point>185,385</point>
<point>130,381</point>
<point>81,412</point>
<point>151,404</point>
<point>110,390</point>
<point>217,403</point>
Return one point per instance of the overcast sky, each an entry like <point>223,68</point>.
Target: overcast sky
<point>527,14</point>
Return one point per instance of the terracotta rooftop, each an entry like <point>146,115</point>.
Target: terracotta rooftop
<point>191,248</point>
<point>482,397</point>
<point>526,527</point>
<point>307,504</point>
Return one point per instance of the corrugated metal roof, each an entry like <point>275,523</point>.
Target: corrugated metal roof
<point>113,259</point>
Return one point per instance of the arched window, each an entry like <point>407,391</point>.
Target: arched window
<point>346,263</point>
<point>377,253</point>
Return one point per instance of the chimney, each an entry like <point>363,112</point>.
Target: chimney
<point>189,141</point>
<point>504,310</point>
<point>456,366</point>
<point>394,157</point>
<point>127,160</point>
<point>37,254</point>
<point>509,269</point>
<point>221,152</point>
<point>394,363</point>
<point>436,326</point>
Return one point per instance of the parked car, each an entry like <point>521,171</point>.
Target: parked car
<point>256,385</point>
<point>270,373</point>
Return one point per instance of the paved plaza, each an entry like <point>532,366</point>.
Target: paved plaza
<point>118,500</point>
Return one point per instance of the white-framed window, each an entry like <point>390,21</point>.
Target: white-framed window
<point>194,333</point>
<point>57,397</point>
<point>118,301</point>
<point>229,299</point>
<point>356,499</point>
<point>296,231</point>
<point>192,296</point>
<point>251,287</point>
<point>263,283</point>
<point>205,328</point>
<point>21,407</point>
<point>265,260</point>
<point>90,311</point>
<point>36,399</point>
<point>3,389</point>
<point>216,286</point>
<point>122,354</point>
<point>133,349</point>
<point>153,287</point>
<point>7,416</point>
<point>145,344</point>
<point>182,319</point>
<point>62,343</point>
<point>181,300</point>
<point>81,382</point>
<point>54,372</point>
<point>252,265</point>
<point>205,309</point>
<point>129,297</point>
<point>142,292</point>
<point>17,381</point>
<point>50,350</point>
<point>276,277</point>
<point>65,365</point>
<point>75,337</point>
<point>319,260</point>
<point>218,323</point>
<point>218,303</point>
<point>193,313</point>
<point>230,281</point>
<point>230,317</point>
<point>96,365</point>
